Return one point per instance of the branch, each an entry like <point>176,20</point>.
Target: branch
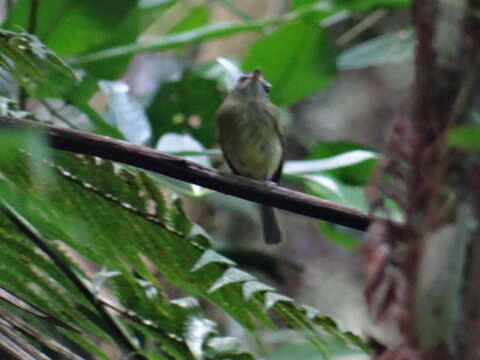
<point>191,172</point>
<point>31,27</point>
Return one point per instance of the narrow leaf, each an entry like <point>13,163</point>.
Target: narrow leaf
<point>210,31</point>
<point>272,298</point>
<point>465,137</point>
<point>334,162</point>
<point>174,143</point>
<point>386,49</point>
<point>197,331</point>
<point>126,113</point>
<point>211,256</point>
<point>231,276</point>
<point>250,288</point>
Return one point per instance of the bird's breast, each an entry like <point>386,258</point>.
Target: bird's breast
<point>253,144</point>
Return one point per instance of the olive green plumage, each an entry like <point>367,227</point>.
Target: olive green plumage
<point>249,133</point>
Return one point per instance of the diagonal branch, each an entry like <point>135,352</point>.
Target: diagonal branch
<point>191,172</point>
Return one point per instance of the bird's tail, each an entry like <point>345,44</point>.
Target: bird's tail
<point>271,228</point>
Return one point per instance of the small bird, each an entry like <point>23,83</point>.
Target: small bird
<point>249,134</point>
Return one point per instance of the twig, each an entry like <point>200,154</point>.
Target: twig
<point>235,10</point>
<point>32,24</point>
<point>32,16</point>
<point>191,172</point>
<point>20,303</point>
<point>16,322</point>
<point>9,5</point>
<point>56,114</point>
<point>361,27</point>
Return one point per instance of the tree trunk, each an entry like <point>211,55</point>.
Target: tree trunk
<point>422,278</point>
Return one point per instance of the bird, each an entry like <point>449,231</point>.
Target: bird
<point>250,136</point>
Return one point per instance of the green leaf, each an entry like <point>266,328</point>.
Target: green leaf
<point>150,4</point>
<point>43,74</point>
<point>8,88</point>
<point>304,351</point>
<point>186,106</point>
<point>181,187</point>
<point>176,143</point>
<point>99,125</point>
<point>211,256</point>
<point>34,66</point>
<point>308,351</point>
<point>197,330</point>
<point>334,189</point>
<point>231,276</point>
<point>305,66</point>
<point>170,41</point>
<point>311,312</point>
<point>197,18</point>
<point>325,186</point>
<point>79,25</point>
<point>125,112</point>
<point>365,5</point>
<point>465,137</point>
<point>386,49</point>
<point>151,11</point>
<point>353,196</point>
<point>250,288</point>
<point>272,298</point>
<point>340,235</point>
<point>116,217</point>
<point>354,5</point>
<point>225,71</point>
<point>179,220</point>
<point>350,163</point>
<point>230,347</point>
<point>189,303</point>
<point>153,230</point>
<point>83,92</point>
<point>296,4</point>
<point>127,31</point>
<point>8,107</point>
<point>100,278</point>
<point>82,26</point>
<point>335,162</point>
<point>173,17</point>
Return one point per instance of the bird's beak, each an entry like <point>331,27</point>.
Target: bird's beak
<point>256,75</point>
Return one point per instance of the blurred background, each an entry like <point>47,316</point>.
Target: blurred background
<point>153,72</point>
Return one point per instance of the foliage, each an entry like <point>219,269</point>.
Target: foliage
<point>127,240</point>
<point>386,49</point>
<point>84,200</point>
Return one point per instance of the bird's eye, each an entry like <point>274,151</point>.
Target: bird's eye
<point>266,86</point>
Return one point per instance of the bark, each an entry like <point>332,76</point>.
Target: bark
<point>421,277</point>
